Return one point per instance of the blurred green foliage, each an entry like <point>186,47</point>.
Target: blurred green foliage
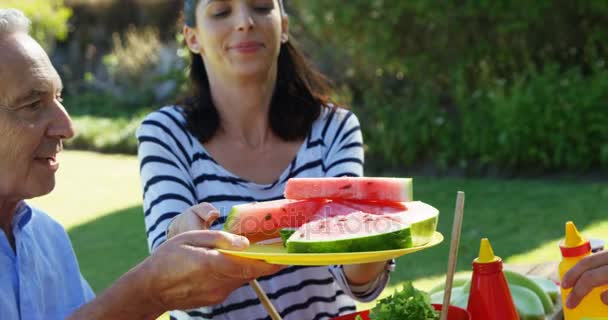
<point>104,122</point>
<point>473,85</point>
<point>105,134</point>
<point>49,19</point>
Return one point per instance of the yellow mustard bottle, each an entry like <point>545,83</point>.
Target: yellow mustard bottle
<point>574,248</point>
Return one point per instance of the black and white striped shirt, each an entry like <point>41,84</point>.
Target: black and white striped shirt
<point>177,172</point>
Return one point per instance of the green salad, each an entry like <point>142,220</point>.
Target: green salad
<point>408,303</point>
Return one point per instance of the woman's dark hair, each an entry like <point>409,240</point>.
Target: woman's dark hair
<point>300,94</point>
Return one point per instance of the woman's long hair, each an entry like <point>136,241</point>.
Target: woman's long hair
<point>300,94</point>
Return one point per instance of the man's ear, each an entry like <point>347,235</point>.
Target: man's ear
<point>191,38</point>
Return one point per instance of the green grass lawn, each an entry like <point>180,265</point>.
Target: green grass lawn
<point>98,200</point>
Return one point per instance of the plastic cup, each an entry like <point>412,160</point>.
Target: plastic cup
<point>455,313</point>
<point>351,316</point>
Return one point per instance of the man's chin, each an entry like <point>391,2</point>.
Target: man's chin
<point>42,188</point>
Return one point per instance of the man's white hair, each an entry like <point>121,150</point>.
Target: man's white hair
<point>12,21</point>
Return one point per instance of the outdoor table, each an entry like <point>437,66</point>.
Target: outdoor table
<point>545,269</point>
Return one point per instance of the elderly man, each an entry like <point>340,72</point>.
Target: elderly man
<point>39,274</point>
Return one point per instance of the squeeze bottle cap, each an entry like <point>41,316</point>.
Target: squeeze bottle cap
<point>574,245</point>
<point>573,237</point>
<point>486,254</point>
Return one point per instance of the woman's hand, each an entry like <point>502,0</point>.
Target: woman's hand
<point>590,272</point>
<point>359,274</point>
<point>197,217</point>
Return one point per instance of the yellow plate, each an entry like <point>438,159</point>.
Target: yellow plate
<point>277,254</point>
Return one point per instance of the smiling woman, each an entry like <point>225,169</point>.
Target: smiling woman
<point>258,115</point>
<point>299,90</point>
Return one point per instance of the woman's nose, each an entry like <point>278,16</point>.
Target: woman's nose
<point>244,19</point>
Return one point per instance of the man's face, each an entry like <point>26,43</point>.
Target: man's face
<point>33,121</point>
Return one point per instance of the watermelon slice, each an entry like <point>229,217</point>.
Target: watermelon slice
<point>341,228</point>
<point>375,207</point>
<point>262,220</point>
<point>363,188</point>
<point>353,232</point>
<point>286,233</point>
<point>423,220</point>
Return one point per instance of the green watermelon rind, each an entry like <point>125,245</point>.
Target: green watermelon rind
<point>409,188</point>
<point>423,224</point>
<point>419,233</point>
<point>230,219</point>
<point>423,231</point>
<point>399,239</point>
<point>285,233</point>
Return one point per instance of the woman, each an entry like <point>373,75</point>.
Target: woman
<point>258,116</point>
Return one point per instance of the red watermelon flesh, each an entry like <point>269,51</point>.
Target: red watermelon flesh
<point>343,207</point>
<point>343,228</point>
<point>349,225</point>
<point>263,220</point>
<point>349,188</point>
<point>374,207</point>
<point>333,209</point>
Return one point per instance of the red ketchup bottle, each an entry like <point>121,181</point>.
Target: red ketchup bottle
<point>490,298</point>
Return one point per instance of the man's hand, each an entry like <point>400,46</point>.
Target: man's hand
<point>184,272</point>
<point>590,272</point>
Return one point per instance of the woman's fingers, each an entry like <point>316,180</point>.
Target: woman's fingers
<point>206,212</point>
<point>588,280</point>
<point>590,262</point>
<point>604,297</point>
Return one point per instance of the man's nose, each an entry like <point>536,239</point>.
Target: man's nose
<point>61,126</point>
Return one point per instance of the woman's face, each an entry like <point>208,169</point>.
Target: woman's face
<point>237,38</point>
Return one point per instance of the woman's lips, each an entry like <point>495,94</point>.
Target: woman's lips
<point>247,46</point>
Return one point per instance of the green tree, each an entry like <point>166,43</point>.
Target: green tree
<point>485,83</point>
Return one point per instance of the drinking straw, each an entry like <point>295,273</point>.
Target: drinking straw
<point>265,300</point>
<point>456,227</point>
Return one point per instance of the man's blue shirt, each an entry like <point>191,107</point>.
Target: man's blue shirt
<point>41,278</point>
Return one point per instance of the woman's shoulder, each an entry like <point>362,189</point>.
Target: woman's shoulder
<point>334,118</point>
<point>168,121</point>
<point>167,118</point>
<point>175,113</point>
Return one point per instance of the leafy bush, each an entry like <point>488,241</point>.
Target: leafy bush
<point>104,122</point>
<point>545,119</point>
<point>109,135</point>
<point>49,19</point>
<point>140,64</point>
<point>469,85</point>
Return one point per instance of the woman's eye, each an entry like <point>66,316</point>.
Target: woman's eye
<point>263,9</point>
<point>220,14</point>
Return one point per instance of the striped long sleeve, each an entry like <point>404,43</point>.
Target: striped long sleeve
<point>178,172</point>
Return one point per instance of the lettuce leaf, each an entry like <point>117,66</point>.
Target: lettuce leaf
<point>405,304</point>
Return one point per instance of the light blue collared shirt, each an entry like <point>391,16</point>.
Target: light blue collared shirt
<point>41,278</point>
